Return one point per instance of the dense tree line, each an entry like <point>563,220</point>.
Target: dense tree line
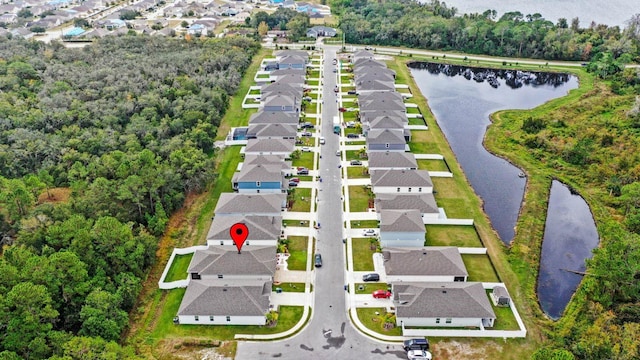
<point>435,26</point>
<point>126,126</point>
<point>282,19</point>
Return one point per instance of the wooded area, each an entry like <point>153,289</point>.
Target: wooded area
<point>432,25</point>
<point>126,126</point>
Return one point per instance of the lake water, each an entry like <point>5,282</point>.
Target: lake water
<point>462,108</point>
<point>569,236</point>
<point>610,12</point>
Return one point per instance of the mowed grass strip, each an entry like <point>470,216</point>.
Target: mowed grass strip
<point>432,165</point>
<point>289,287</point>
<point>358,199</point>
<point>365,224</point>
<point>452,235</point>
<point>297,259</point>
<point>374,319</point>
<point>363,254</point>
<point>357,172</point>
<point>179,267</point>
<point>301,199</point>
<point>479,268</point>
<point>422,142</point>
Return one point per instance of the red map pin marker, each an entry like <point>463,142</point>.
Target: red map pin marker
<point>239,233</point>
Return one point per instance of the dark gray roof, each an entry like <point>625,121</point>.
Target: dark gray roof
<point>386,100</point>
<point>225,260</point>
<point>385,136</point>
<point>235,203</point>
<point>401,221</point>
<point>388,122</point>
<point>277,73</point>
<point>278,88</point>
<point>260,227</point>
<point>423,202</point>
<point>296,80</point>
<point>366,62</point>
<point>370,115</point>
<point>378,85</point>
<point>362,54</point>
<point>280,100</point>
<point>401,178</point>
<point>272,130</point>
<point>270,145</point>
<point>373,76</point>
<point>293,59</point>
<point>264,159</point>
<point>274,117</point>
<point>392,159</point>
<point>442,299</point>
<point>223,298</point>
<point>362,70</point>
<point>426,261</point>
<point>260,172</point>
<point>283,53</point>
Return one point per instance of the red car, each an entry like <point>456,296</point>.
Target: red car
<point>381,294</point>
<point>342,109</point>
<point>295,180</point>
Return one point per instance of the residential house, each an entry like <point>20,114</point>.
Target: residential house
<point>430,264</point>
<point>225,262</point>
<point>280,54</point>
<point>319,30</point>
<point>382,72</point>
<point>274,117</point>
<point>392,160</point>
<point>295,80</point>
<point>8,18</point>
<point>401,228</point>
<point>250,204</point>
<point>271,131</point>
<point>250,160</point>
<point>263,230</point>
<point>386,140</point>
<point>363,55</point>
<point>388,100</point>
<point>438,304</point>
<point>367,62</point>
<point>391,119</point>
<point>282,147</point>
<point>292,62</point>
<point>374,85</point>
<point>281,102</point>
<point>260,178</point>
<point>401,181</point>
<point>291,84</point>
<point>500,296</point>
<point>221,302</point>
<point>425,203</point>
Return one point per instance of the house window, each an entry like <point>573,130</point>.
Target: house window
<point>437,320</point>
<point>246,243</point>
<point>419,189</point>
<point>196,318</point>
<point>195,276</point>
<point>220,276</point>
<point>409,189</point>
<point>211,318</point>
<point>221,242</point>
<point>398,190</point>
<point>258,191</point>
<point>258,183</point>
<point>386,146</point>
<point>458,278</point>
<point>448,321</point>
<point>228,318</point>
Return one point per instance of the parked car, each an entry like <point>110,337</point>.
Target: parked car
<point>369,232</point>
<point>317,260</point>
<point>334,61</point>
<point>356,162</point>
<point>353,136</point>
<point>303,172</point>
<point>296,180</point>
<point>371,277</point>
<point>335,70</point>
<point>416,344</point>
<point>308,98</point>
<point>293,184</point>
<point>336,89</point>
<point>342,109</point>
<point>418,355</point>
<point>352,92</point>
<point>306,134</point>
<point>351,124</point>
<point>381,294</point>
<point>338,153</point>
<point>322,140</point>
<point>305,149</point>
<point>308,125</point>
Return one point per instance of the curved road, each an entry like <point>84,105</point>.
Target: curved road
<point>329,334</point>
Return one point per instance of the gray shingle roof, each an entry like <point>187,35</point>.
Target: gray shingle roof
<point>234,203</point>
<point>265,159</point>
<point>225,260</point>
<point>274,117</point>
<point>222,298</point>
<point>260,172</point>
<point>446,300</point>
<point>260,227</point>
<point>272,130</point>
<point>423,202</point>
<point>366,62</point>
<point>385,136</point>
<point>387,100</point>
<point>285,53</point>
<point>277,73</point>
<point>388,122</point>
<point>362,70</point>
<point>280,100</point>
<point>427,261</point>
<point>296,80</point>
<point>373,76</point>
<point>401,221</point>
<point>392,159</point>
<point>401,178</point>
<point>370,115</point>
<point>378,85</point>
<point>270,145</point>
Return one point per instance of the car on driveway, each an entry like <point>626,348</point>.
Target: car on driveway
<point>303,171</point>
<point>356,162</point>
<point>293,184</point>
<point>381,294</point>
<point>369,232</point>
<point>306,134</point>
<point>317,260</point>
<point>296,180</point>
<point>305,149</point>
<point>416,344</point>
<point>342,109</point>
<point>371,277</point>
<point>353,136</point>
<point>418,355</point>
<point>352,92</point>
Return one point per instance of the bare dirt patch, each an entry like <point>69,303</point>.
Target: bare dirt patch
<point>466,350</point>
<point>55,195</point>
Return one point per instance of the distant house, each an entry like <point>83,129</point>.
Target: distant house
<point>274,117</point>
<point>221,302</point>
<point>281,102</point>
<point>365,62</point>
<point>401,181</point>
<point>364,86</point>
<point>271,131</point>
<point>282,54</point>
<point>8,18</point>
<point>224,262</point>
<point>438,304</point>
<point>387,100</point>
<point>293,89</point>
<point>260,178</point>
<point>364,55</point>
<point>263,230</point>
<point>292,62</point>
<point>113,24</point>
<point>400,122</point>
<point>283,147</point>
<point>383,72</point>
<point>279,160</point>
<point>425,203</point>
<point>250,204</point>
<point>401,228</point>
<point>430,264</point>
<point>317,31</point>
<point>386,140</point>
<point>392,160</point>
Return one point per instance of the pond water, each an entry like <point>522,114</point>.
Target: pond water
<point>462,107</point>
<point>570,235</point>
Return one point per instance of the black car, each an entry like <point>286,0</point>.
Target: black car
<point>351,92</point>
<point>356,162</point>
<point>293,184</point>
<point>353,136</point>
<point>318,260</point>
<point>370,277</point>
<point>416,344</point>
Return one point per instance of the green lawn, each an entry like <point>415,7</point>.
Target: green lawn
<point>505,320</point>
<point>303,223</point>
<point>432,165</point>
<point>297,259</point>
<point>301,199</point>
<point>289,287</point>
<point>362,254</point>
<point>312,82</point>
<point>357,172</point>
<point>422,143</point>
<point>454,207</point>
<point>353,130</point>
<point>305,159</point>
<point>374,319</point>
<point>349,115</point>
<point>416,121</point>
<point>452,235</point>
<point>479,268</point>
<point>355,155</point>
<point>165,328</point>
<point>358,199</point>
<point>178,269</point>
<point>365,224</point>
<point>413,110</point>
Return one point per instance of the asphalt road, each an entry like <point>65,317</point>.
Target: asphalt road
<point>329,334</point>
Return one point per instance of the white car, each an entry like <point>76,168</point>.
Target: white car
<point>305,149</point>
<point>369,232</point>
<point>322,140</point>
<point>418,354</point>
